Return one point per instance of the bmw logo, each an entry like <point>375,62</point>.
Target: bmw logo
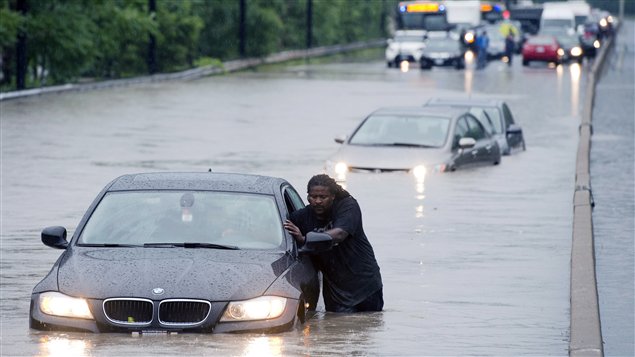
<point>158,291</point>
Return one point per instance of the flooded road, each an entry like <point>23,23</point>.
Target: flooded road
<point>473,263</point>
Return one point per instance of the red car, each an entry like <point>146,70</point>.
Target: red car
<point>542,48</point>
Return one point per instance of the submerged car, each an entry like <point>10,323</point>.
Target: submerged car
<point>181,252</point>
<point>415,140</point>
<point>495,115</point>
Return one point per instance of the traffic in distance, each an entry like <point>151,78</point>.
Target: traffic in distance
<point>447,134</point>
<point>553,32</point>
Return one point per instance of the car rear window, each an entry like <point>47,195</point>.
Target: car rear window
<point>541,40</point>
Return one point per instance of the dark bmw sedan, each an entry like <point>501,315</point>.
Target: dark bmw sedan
<point>180,252</point>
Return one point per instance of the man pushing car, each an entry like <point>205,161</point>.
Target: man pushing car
<point>351,278</point>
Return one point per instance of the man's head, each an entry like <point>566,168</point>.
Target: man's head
<point>322,191</point>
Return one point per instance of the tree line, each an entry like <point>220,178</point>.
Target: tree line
<point>49,42</point>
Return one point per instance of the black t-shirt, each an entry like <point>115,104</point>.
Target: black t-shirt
<point>350,271</point>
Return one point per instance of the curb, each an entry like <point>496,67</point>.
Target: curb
<point>585,328</point>
<point>194,73</point>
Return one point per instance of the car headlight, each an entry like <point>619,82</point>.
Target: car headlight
<point>596,44</point>
<point>560,52</point>
<point>419,172</point>
<point>469,37</point>
<point>58,304</point>
<point>260,308</point>
<point>576,51</point>
<point>341,169</point>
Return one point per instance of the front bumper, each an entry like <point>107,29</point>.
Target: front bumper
<point>209,324</point>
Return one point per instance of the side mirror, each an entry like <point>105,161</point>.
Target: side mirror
<point>514,129</point>
<point>316,243</point>
<point>466,143</point>
<point>55,237</point>
<point>340,139</point>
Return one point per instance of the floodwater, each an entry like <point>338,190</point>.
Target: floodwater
<point>473,262</point>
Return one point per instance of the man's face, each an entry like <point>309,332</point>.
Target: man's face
<point>320,199</point>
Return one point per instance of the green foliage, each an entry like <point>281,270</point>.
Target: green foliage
<point>178,35</point>
<point>10,22</point>
<point>264,28</point>
<point>71,39</point>
<point>59,50</point>
<point>122,40</point>
<point>208,62</point>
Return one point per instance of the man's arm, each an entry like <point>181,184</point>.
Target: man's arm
<point>338,234</point>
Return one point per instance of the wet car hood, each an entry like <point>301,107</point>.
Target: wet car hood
<point>389,157</point>
<point>217,275</point>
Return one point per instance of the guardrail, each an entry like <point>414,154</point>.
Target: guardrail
<point>229,66</point>
<point>585,326</point>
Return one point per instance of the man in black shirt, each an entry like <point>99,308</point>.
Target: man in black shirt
<point>351,279</point>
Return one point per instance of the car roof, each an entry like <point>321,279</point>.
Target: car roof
<point>212,181</point>
<point>443,112</point>
<point>465,102</point>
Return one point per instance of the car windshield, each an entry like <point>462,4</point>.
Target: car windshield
<point>541,40</point>
<point>185,218</point>
<point>446,45</point>
<point>408,38</point>
<point>409,130</point>
<point>563,37</point>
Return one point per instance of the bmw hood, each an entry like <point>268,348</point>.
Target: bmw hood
<point>161,273</point>
<point>389,157</point>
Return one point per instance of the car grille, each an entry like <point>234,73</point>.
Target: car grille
<point>183,312</point>
<point>140,312</point>
<point>129,311</point>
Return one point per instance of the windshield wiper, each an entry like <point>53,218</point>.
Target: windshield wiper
<point>192,245</point>
<point>108,245</point>
<point>411,145</point>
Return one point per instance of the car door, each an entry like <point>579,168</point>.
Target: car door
<point>462,157</point>
<point>513,139</point>
<point>304,272</point>
<point>486,148</point>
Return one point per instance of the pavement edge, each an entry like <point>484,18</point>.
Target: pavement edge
<point>585,329</point>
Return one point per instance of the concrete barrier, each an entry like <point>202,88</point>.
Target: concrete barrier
<point>229,66</point>
<point>585,327</point>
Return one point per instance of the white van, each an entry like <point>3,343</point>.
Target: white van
<point>557,15</point>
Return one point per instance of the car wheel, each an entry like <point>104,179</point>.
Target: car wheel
<point>524,148</point>
<point>525,63</point>
<point>389,64</point>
